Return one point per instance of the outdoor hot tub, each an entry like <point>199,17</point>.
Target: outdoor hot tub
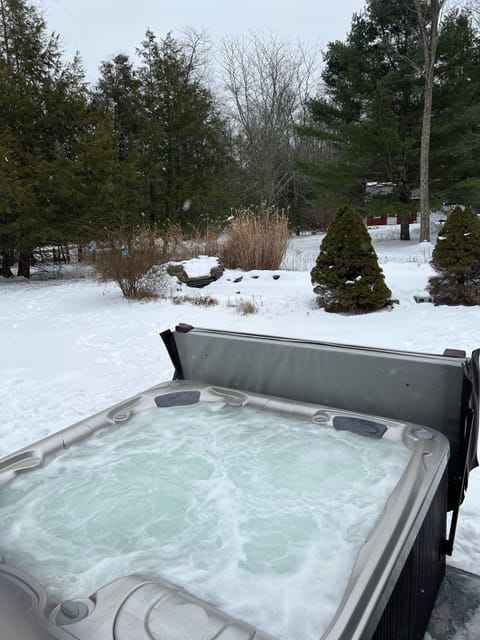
<point>200,510</point>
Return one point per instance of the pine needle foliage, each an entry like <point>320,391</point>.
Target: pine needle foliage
<point>347,276</point>
<point>456,259</point>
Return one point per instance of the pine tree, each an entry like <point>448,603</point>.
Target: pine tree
<point>118,96</point>
<point>455,142</point>
<point>184,138</point>
<point>456,259</point>
<point>370,115</point>
<point>346,275</point>
<point>42,112</point>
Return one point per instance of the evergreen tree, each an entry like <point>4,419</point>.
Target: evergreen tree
<point>456,259</point>
<point>85,185</point>
<point>455,141</point>
<point>118,96</point>
<point>183,137</point>
<point>346,275</point>
<point>42,112</point>
<point>371,113</point>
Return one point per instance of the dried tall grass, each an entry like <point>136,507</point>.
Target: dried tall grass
<point>197,300</point>
<point>170,240</point>
<point>178,245</point>
<point>256,241</point>
<point>244,307</point>
<point>205,242</point>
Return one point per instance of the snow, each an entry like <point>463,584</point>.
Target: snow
<point>198,267</point>
<point>72,347</point>
<point>357,279</point>
<point>471,628</point>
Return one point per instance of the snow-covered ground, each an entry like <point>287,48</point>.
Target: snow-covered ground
<point>71,347</point>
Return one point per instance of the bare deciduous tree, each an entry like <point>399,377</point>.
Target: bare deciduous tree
<point>268,83</point>
<point>474,8</point>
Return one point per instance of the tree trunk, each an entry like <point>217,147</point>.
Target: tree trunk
<point>7,263</point>
<point>151,197</point>
<point>404,227</point>
<point>428,22</point>
<point>425,159</point>
<point>24,262</point>
<point>403,193</point>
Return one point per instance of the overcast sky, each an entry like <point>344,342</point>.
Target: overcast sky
<point>99,29</point>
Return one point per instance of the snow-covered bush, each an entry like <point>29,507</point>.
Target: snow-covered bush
<point>456,259</point>
<point>347,277</point>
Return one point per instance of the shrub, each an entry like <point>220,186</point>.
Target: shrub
<point>456,259</point>
<point>347,276</point>
<point>244,307</point>
<point>247,307</point>
<point>198,300</point>
<point>127,263</point>
<point>256,241</point>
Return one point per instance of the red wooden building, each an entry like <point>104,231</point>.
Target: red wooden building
<point>373,221</point>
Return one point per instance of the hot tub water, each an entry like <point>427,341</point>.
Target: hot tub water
<point>260,513</point>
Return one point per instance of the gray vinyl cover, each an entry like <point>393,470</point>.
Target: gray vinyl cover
<point>430,390</point>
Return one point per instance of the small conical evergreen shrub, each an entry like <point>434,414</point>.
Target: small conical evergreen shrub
<point>456,259</point>
<point>347,276</point>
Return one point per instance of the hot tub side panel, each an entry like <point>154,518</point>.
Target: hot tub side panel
<point>409,607</point>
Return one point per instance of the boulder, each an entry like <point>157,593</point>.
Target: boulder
<point>197,272</point>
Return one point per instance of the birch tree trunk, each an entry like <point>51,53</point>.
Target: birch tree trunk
<point>425,160</point>
<point>428,21</point>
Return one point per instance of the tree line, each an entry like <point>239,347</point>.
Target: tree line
<point>154,143</point>
<point>371,113</point>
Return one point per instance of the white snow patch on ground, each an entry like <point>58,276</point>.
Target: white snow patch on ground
<point>198,267</point>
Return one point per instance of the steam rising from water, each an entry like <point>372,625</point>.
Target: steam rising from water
<point>261,514</point>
